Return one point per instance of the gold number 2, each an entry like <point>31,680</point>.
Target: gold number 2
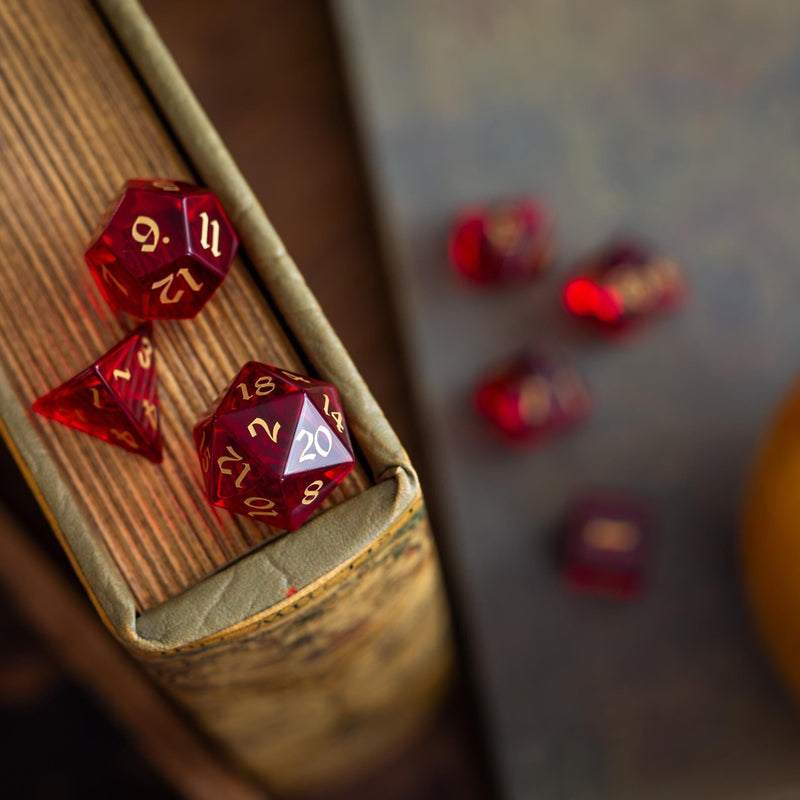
<point>261,422</point>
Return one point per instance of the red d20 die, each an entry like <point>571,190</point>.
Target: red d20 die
<point>115,399</point>
<point>502,243</point>
<point>533,397</point>
<point>274,446</point>
<point>605,545</point>
<point>162,249</point>
<point>624,285</point>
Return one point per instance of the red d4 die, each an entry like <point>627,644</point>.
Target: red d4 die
<point>502,243</point>
<point>115,399</point>
<point>605,545</point>
<point>274,446</point>
<point>533,397</point>
<point>162,249</point>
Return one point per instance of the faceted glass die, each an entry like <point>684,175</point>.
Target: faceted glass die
<point>623,285</point>
<point>533,397</point>
<point>274,446</point>
<point>605,545</point>
<point>115,399</point>
<point>162,249</point>
<point>502,243</point>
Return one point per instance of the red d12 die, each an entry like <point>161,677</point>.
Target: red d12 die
<point>502,243</point>
<point>274,446</point>
<point>533,398</point>
<point>605,545</point>
<point>115,399</point>
<point>162,250</point>
<point>624,285</point>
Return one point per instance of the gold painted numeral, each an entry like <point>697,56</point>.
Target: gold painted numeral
<point>122,374</point>
<point>294,377</point>
<point>263,386</point>
<point>109,278</point>
<point>151,413</point>
<point>336,416</point>
<point>184,273</point>
<point>235,457</point>
<point>125,436</point>
<point>167,186</point>
<point>146,232</point>
<point>145,354</point>
<point>312,492</point>
<point>262,507</point>
<point>214,225</point>
<point>262,423</point>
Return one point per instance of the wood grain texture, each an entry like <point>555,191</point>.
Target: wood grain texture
<point>74,125</point>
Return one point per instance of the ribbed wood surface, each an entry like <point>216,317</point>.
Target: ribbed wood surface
<point>74,125</point>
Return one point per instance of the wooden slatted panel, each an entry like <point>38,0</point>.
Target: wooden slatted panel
<point>74,125</point>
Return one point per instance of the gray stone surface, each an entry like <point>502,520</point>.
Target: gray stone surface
<point>680,121</point>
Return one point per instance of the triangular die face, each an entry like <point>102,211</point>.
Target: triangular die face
<point>255,383</point>
<point>315,446</point>
<point>129,369</point>
<point>233,471</point>
<point>265,431</point>
<point>327,401</point>
<point>304,493</point>
<point>87,404</point>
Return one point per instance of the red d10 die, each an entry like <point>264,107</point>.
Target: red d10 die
<point>162,249</point>
<point>605,545</point>
<point>624,285</point>
<point>274,446</point>
<point>115,399</point>
<point>503,243</point>
<point>533,397</point>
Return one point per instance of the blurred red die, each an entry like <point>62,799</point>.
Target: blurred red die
<point>533,397</point>
<point>623,285</point>
<point>162,249</point>
<point>605,545</point>
<point>508,242</point>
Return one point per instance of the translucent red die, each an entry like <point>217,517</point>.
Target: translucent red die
<point>605,545</point>
<point>623,285</point>
<point>115,399</point>
<point>533,397</point>
<point>508,242</point>
<point>162,249</point>
<point>274,445</point>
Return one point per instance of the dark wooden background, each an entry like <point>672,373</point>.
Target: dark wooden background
<point>269,75</point>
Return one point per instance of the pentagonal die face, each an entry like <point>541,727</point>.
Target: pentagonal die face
<point>274,446</point>
<point>162,249</point>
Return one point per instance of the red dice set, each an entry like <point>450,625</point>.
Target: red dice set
<point>624,285</point>
<point>503,243</point>
<point>114,399</point>
<point>533,398</point>
<point>162,249</point>
<point>274,445</point>
<point>605,545</point>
